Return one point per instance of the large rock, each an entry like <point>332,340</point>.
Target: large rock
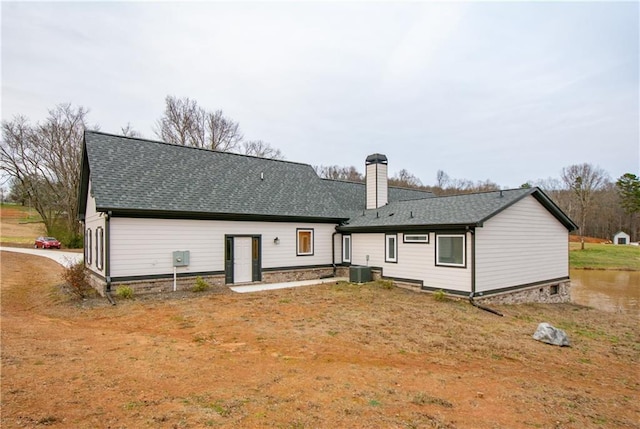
<point>550,335</point>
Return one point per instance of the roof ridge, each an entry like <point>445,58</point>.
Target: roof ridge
<point>193,147</point>
<point>487,192</point>
<point>364,183</point>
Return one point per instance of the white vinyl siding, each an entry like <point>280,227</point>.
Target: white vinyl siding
<point>376,184</point>
<point>415,262</point>
<point>521,245</point>
<point>144,246</point>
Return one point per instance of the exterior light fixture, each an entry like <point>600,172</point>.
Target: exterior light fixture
<point>276,240</point>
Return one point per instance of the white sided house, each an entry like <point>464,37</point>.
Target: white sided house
<point>621,237</point>
<point>154,212</point>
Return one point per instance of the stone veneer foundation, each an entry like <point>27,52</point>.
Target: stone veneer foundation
<point>548,293</point>
<point>186,283</point>
<point>553,292</point>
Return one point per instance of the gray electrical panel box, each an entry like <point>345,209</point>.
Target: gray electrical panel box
<point>180,258</point>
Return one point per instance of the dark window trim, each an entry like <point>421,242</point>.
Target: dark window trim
<point>464,250</point>
<point>404,238</point>
<point>100,248</point>
<point>88,247</point>
<point>298,231</point>
<point>386,248</point>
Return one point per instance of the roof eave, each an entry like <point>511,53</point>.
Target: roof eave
<point>83,186</point>
<point>194,215</point>
<point>409,228</point>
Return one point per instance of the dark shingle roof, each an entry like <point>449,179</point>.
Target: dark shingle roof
<point>351,196</point>
<point>134,176</point>
<point>450,211</point>
<point>142,175</point>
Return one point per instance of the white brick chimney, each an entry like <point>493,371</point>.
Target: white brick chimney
<point>376,180</point>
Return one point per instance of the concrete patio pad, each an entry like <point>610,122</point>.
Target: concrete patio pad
<point>273,286</point>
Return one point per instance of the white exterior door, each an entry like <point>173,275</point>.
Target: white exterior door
<point>242,260</point>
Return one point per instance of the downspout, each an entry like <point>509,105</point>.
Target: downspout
<point>107,254</point>
<point>333,252</point>
<point>473,276</point>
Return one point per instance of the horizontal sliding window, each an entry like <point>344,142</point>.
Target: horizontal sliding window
<point>450,250</point>
<point>416,238</point>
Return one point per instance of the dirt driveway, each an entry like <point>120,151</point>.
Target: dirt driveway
<point>331,356</point>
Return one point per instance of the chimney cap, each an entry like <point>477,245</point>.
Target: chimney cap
<point>376,158</point>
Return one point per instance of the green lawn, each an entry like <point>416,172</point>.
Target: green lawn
<point>606,256</point>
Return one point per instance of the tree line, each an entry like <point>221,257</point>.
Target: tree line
<point>42,163</point>
<point>599,206</point>
<point>41,160</point>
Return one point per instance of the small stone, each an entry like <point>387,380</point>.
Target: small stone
<point>480,395</point>
<point>550,335</point>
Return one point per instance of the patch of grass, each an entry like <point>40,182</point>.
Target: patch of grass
<point>220,408</point>
<point>421,398</point>
<point>374,403</point>
<point>201,285</point>
<point>124,292</point>
<point>132,405</point>
<point>48,420</point>
<point>440,295</point>
<point>604,256</point>
<point>383,284</point>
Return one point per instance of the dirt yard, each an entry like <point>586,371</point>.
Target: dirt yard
<point>331,356</point>
<point>19,226</point>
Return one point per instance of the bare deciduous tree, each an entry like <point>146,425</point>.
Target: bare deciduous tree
<point>261,149</point>
<point>223,134</point>
<point>584,180</point>
<point>187,124</point>
<point>336,172</point>
<point>44,161</point>
<point>442,179</point>
<point>182,122</point>
<point>129,131</point>
<point>405,179</point>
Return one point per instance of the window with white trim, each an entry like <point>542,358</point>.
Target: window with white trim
<point>416,238</point>
<point>450,250</point>
<point>304,242</point>
<point>391,248</point>
<point>346,248</point>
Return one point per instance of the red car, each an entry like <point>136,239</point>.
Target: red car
<point>47,243</point>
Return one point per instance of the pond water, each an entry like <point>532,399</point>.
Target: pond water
<point>607,290</point>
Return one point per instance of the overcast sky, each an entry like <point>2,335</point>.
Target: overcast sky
<point>503,91</point>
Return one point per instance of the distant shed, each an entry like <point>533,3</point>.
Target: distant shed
<point>621,237</point>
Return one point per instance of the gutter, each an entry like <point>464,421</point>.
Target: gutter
<point>473,276</point>
<point>333,252</point>
<point>107,255</point>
